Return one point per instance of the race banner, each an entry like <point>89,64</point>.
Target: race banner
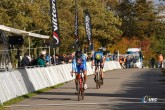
<point>76,25</point>
<point>88,28</point>
<point>55,24</point>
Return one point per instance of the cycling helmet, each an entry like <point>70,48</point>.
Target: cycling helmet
<point>78,54</point>
<point>100,50</point>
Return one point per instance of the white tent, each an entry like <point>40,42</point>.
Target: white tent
<point>21,32</point>
<point>4,62</point>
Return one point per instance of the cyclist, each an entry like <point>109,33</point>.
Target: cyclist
<point>78,64</point>
<point>97,58</point>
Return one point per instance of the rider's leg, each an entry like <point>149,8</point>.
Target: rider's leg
<point>101,69</point>
<point>95,71</point>
<point>76,79</point>
<point>85,75</point>
<point>85,78</point>
<point>101,73</point>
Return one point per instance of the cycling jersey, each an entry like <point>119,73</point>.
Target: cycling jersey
<point>79,65</point>
<point>98,58</point>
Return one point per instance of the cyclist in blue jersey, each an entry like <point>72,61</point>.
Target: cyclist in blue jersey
<point>78,64</point>
<point>97,58</point>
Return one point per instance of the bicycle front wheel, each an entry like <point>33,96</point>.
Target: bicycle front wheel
<point>78,90</point>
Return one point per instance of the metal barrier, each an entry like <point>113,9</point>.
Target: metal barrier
<point>22,81</point>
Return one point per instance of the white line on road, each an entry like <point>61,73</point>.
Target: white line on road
<point>65,104</point>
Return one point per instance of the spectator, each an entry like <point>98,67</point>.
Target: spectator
<point>56,58</point>
<point>107,58</point>
<point>41,60</point>
<point>134,61</point>
<point>115,53</point>
<point>110,57</point>
<point>34,61</point>
<point>124,62</point>
<point>160,60</point>
<point>152,62</point>
<point>120,61</point>
<point>70,59</point>
<point>141,56</point>
<point>128,62</point>
<point>63,59</point>
<point>47,59</point>
<point>25,60</point>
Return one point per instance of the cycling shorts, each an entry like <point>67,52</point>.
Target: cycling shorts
<point>80,67</point>
<point>99,62</point>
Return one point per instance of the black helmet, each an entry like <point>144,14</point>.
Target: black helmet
<point>78,54</point>
<point>100,50</point>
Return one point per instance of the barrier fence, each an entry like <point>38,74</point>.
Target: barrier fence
<point>23,81</point>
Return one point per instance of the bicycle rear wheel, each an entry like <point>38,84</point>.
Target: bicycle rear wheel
<point>97,80</point>
<point>82,90</point>
<point>82,94</point>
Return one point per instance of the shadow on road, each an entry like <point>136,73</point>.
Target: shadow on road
<point>148,83</point>
<point>129,97</point>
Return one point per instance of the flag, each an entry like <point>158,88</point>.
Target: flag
<point>55,25</point>
<point>88,28</point>
<point>76,25</point>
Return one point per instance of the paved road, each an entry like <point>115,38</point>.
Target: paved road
<point>122,90</point>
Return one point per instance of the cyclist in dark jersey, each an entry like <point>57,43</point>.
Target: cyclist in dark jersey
<point>98,57</point>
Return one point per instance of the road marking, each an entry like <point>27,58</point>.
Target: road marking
<point>66,104</point>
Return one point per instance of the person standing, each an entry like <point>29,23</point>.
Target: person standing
<point>152,62</point>
<point>160,61</point>
<point>41,60</point>
<point>128,62</point>
<point>25,60</point>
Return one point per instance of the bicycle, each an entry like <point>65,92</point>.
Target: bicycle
<point>80,86</point>
<point>98,76</point>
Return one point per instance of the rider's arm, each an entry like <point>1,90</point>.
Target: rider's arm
<point>92,62</point>
<point>93,59</point>
<point>104,59</point>
<point>84,61</point>
<point>74,65</point>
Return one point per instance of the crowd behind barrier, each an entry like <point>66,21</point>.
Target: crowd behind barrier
<point>129,61</point>
<point>45,59</point>
<point>23,81</point>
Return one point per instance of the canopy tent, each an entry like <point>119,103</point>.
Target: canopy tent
<point>5,63</point>
<point>21,32</point>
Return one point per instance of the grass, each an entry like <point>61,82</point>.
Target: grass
<point>21,98</point>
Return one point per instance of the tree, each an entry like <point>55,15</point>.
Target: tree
<point>34,16</point>
<point>104,22</point>
<point>125,11</point>
<point>139,19</point>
